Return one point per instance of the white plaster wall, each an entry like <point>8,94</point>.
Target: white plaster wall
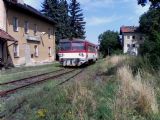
<point>131,41</point>
<point>2,16</point>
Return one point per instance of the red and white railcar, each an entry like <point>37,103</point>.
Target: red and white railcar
<point>76,52</point>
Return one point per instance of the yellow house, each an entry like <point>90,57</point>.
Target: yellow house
<point>34,32</point>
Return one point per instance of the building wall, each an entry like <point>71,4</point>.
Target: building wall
<point>130,44</point>
<point>2,16</point>
<point>26,48</point>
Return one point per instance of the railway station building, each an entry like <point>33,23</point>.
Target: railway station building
<point>27,37</point>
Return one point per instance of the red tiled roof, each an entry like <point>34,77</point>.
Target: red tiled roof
<point>128,29</point>
<point>5,36</point>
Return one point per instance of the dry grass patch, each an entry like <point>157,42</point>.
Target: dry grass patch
<point>114,60</point>
<point>134,95</point>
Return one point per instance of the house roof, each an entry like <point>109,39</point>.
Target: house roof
<point>129,29</point>
<point>5,36</point>
<point>28,10</point>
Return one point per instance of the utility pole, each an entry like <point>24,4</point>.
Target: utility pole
<point>108,51</point>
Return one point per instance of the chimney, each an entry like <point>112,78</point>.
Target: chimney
<point>14,1</point>
<point>17,1</point>
<point>20,1</point>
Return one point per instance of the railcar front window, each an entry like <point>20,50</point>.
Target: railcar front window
<point>78,46</point>
<point>65,46</point>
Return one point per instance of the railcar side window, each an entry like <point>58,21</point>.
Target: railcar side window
<point>91,48</point>
<point>65,46</point>
<point>77,46</point>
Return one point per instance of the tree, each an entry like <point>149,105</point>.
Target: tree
<point>50,8</point>
<point>77,20</point>
<point>109,43</point>
<point>154,3</point>
<point>58,11</point>
<point>63,26</point>
<point>69,18</point>
<point>150,26</point>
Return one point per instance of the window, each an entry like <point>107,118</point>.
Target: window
<point>16,50</point>
<point>128,45</point>
<point>78,46</point>
<point>133,45</point>
<point>128,37</point>
<point>35,29</point>
<point>36,51</point>
<point>49,33</point>
<point>141,38</point>
<point>91,48</point>
<point>49,51</point>
<point>65,46</point>
<point>133,37</point>
<point>15,24</point>
<point>26,27</point>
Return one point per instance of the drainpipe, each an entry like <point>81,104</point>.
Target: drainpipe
<point>6,44</point>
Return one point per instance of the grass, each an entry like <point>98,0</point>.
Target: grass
<point>81,98</point>
<point>6,106</point>
<point>134,95</point>
<point>137,97</point>
<point>115,88</point>
<point>28,68</point>
<point>18,73</point>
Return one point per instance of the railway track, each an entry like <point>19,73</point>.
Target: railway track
<point>14,109</point>
<point>25,82</point>
<point>28,78</point>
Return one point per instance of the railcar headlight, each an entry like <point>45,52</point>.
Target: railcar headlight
<point>81,54</point>
<point>60,54</point>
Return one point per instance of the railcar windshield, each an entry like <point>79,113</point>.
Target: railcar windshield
<point>65,46</point>
<point>78,46</point>
<point>71,46</point>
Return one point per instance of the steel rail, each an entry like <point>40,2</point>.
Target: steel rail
<point>69,78</point>
<point>31,77</point>
<point>6,92</point>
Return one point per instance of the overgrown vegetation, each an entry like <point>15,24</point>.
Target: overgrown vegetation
<point>115,88</point>
<point>150,26</point>
<point>137,96</point>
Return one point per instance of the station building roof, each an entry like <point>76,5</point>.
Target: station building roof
<point>5,36</point>
<point>24,8</point>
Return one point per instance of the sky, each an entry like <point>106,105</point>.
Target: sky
<point>103,15</point>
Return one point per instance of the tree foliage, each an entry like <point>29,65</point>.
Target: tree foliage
<point>49,7</point>
<point>154,3</point>
<point>70,22</point>
<point>109,43</point>
<point>63,25</point>
<point>150,26</point>
<point>77,20</point>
